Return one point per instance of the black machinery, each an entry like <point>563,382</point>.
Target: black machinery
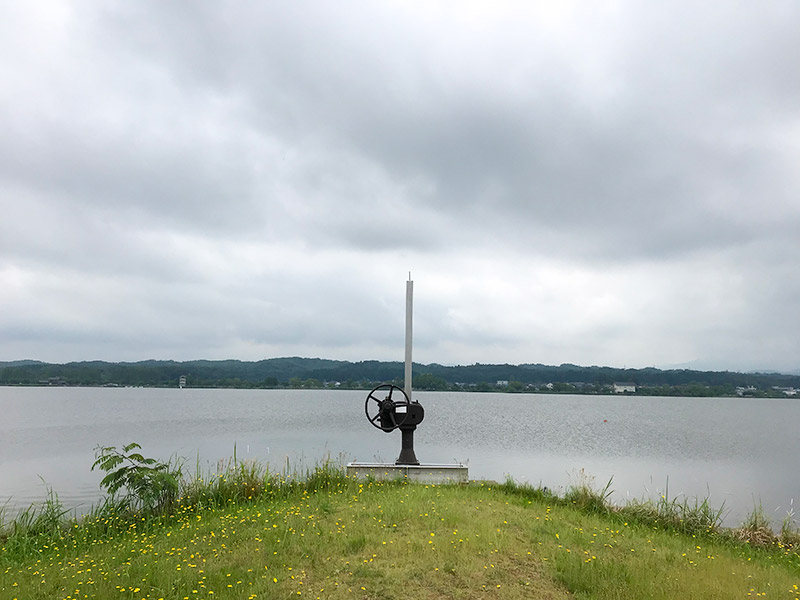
<point>393,410</point>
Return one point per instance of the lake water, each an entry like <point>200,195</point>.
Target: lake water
<point>733,450</point>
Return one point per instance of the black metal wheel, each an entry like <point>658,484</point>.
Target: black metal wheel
<point>385,400</point>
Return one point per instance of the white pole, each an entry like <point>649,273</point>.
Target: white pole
<point>409,311</point>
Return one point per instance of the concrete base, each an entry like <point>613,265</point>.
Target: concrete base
<point>455,473</point>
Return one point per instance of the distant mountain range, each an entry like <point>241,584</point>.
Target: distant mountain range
<point>20,363</point>
<point>288,371</point>
<point>711,365</point>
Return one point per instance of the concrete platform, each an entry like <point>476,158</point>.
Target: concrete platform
<point>425,473</point>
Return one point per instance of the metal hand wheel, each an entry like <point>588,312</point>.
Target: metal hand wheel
<point>394,407</point>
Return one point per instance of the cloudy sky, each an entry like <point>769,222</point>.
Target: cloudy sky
<point>613,183</point>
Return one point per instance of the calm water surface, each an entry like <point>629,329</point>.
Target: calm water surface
<point>736,451</point>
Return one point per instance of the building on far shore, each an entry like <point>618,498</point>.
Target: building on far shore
<point>788,391</point>
<point>624,388</point>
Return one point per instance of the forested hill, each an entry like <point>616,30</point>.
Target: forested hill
<point>316,372</point>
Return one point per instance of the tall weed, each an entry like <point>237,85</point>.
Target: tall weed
<point>232,483</point>
<point>583,494</point>
<point>39,522</point>
<point>756,529</point>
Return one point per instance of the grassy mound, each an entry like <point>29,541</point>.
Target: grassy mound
<point>327,536</point>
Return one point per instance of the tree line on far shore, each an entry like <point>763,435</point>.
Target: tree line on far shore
<point>299,373</point>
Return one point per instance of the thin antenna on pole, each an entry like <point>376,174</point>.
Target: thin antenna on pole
<point>409,330</point>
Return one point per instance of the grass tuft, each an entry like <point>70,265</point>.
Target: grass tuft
<point>234,482</point>
<point>682,515</point>
<point>583,494</point>
<point>756,529</point>
<point>37,524</point>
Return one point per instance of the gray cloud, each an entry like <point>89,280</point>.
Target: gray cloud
<point>605,185</point>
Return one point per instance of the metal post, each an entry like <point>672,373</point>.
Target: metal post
<point>407,455</point>
<point>409,311</point>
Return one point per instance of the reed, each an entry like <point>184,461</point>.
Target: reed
<point>689,516</point>
<point>583,494</point>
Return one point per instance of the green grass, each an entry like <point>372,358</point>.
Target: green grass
<point>326,536</point>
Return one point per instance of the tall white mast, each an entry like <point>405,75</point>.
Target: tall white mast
<point>409,319</point>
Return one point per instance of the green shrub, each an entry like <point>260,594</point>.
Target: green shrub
<point>145,484</point>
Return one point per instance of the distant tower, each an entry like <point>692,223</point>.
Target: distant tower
<point>182,381</point>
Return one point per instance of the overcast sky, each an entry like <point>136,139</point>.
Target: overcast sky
<point>613,183</point>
